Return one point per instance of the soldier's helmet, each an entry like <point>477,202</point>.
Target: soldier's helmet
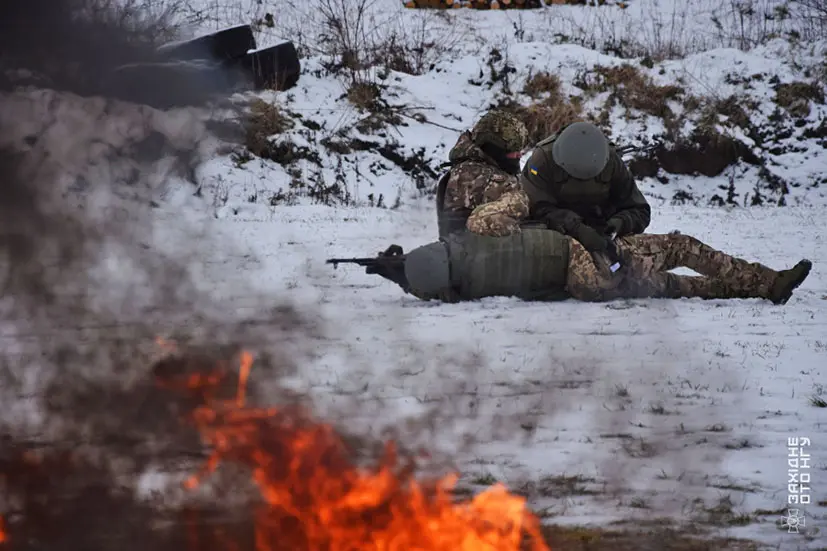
<point>428,269</point>
<point>582,150</point>
<point>500,129</point>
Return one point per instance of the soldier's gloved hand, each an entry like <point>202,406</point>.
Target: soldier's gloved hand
<point>614,227</point>
<point>591,239</point>
<point>392,271</point>
<point>393,250</point>
<point>603,250</point>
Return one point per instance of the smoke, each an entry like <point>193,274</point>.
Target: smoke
<point>87,283</point>
<point>92,273</point>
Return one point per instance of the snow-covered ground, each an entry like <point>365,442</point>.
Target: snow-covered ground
<point>648,404</point>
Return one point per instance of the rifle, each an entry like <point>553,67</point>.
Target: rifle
<point>368,262</point>
<point>623,150</point>
<point>389,264</point>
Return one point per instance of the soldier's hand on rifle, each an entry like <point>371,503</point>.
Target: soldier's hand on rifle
<point>391,271</point>
<point>393,250</point>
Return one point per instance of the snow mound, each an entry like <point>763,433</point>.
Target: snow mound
<point>731,127</point>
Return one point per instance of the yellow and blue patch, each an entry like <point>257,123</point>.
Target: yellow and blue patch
<point>532,170</point>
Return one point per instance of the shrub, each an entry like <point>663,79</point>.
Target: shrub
<point>632,89</point>
<point>264,121</point>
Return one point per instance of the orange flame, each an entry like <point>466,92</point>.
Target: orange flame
<point>314,498</point>
<point>3,537</point>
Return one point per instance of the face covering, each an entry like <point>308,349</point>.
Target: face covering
<point>500,156</point>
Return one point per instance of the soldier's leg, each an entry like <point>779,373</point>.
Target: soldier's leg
<point>589,283</point>
<point>738,277</point>
<point>584,280</point>
<point>727,276</point>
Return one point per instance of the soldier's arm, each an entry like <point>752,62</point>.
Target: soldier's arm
<point>455,206</point>
<point>500,217</point>
<point>633,210</point>
<point>546,208</point>
<point>473,184</point>
<point>458,197</point>
<point>556,218</point>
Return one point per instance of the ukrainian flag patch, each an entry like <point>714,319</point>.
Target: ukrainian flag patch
<point>532,170</point>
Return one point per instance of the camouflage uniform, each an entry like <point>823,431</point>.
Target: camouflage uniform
<point>475,177</point>
<point>649,258</point>
<point>501,217</point>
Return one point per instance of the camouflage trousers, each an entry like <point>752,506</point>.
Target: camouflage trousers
<point>647,260</point>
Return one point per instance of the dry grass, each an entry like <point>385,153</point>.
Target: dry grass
<point>631,88</point>
<point>734,108</point>
<point>795,97</point>
<point>551,110</point>
<point>264,121</point>
<point>542,84</point>
<point>364,95</point>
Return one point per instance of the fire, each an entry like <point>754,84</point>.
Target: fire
<point>315,498</point>
<point>3,537</point>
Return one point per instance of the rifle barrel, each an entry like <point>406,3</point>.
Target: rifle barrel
<point>350,260</point>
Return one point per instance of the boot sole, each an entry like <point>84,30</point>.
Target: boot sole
<point>796,283</point>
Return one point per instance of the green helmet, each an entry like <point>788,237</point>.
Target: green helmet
<point>581,150</point>
<point>427,269</point>
<point>500,129</point>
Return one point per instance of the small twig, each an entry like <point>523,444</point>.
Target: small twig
<point>426,121</point>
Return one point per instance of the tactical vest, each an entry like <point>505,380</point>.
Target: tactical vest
<point>531,265</point>
<point>589,198</point>
<point>448,222</point>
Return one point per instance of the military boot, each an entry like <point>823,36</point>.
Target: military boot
<point>787,281</point>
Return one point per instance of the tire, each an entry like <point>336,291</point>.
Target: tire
<point>224,45</point>
<point>276,67</point>
<point>175,84</point>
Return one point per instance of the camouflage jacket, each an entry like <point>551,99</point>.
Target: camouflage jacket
<point>473,180</point>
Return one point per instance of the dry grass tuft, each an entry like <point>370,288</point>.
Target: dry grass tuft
<point>264,121</point>
<point>551,112</point>
<point>795,97</point>
<point>539,84</point>
<point>733,108</point>
<point>631,88</point>
<point>364,95</point>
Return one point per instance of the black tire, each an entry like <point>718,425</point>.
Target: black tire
<point>276,67</point>
<point>224,45</point>
<point>175,84</point>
